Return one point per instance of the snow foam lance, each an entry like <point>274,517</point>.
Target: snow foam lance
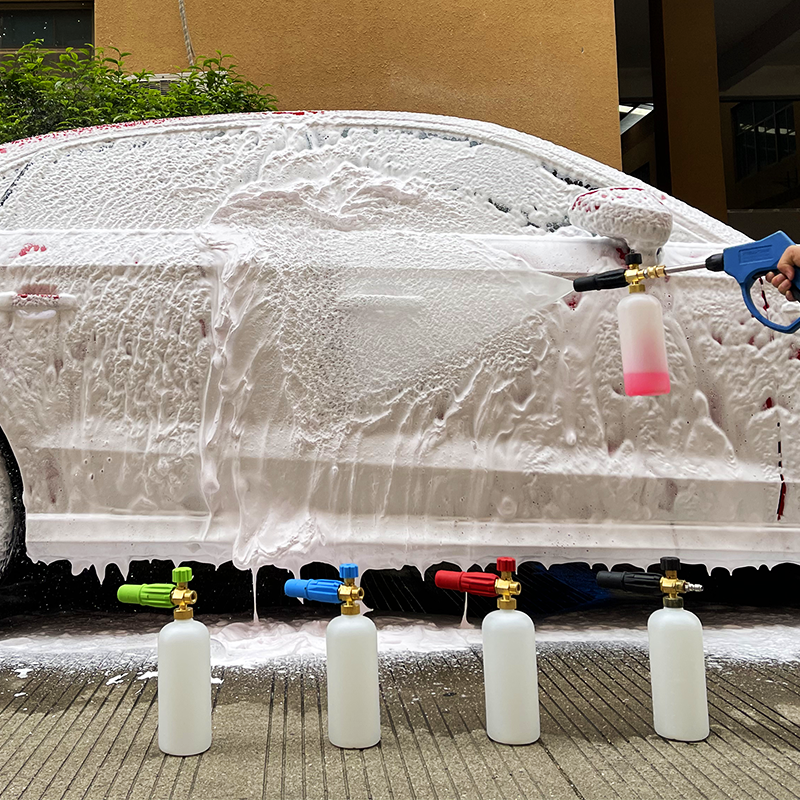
<point>351,643</point>
<point>184,665</point>
<point>677,664</point>
<point>509,654</point>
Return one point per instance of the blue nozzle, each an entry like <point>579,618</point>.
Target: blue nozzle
<point>295,588</point>
<point>348,571</point>
<point>323,590</point>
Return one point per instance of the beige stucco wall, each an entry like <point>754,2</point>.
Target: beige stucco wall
<point>547,67</point>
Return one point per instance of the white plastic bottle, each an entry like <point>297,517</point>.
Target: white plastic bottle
<point>184,687</point>
<point>644,352</point>
<point>510,679</point>
<point>354,716</point>
<point>351,642</point>
<point>678,673</point>
<point>184,665</point>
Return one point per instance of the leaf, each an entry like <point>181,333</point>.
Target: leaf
<point>42,91</point>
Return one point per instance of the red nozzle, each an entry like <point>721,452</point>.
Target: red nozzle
<point>481,583</point>
<point>506,565</point>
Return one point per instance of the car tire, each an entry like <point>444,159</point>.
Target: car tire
<point>12,508</point>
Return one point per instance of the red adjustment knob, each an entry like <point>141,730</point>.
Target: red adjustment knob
<point>506,565</point>
<point>481,583</point>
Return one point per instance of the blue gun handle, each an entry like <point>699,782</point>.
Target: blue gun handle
<point>748,262</point>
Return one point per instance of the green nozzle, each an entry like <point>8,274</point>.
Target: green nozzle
<point>157,595</point>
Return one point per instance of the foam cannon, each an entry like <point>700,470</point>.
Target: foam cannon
<point>184,664</point>
<point>645,224</point>
<point>677,664</point>
<point>509,654</point>
<point>351,645</point>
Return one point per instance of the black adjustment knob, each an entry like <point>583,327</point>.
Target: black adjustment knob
<point>633,258</point>
<point>670,563</point>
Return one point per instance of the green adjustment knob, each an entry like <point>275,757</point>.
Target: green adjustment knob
<point>157,595</point>
<point>182,574</point>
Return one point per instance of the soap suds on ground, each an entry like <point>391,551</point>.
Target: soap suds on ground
<point>730,635</point>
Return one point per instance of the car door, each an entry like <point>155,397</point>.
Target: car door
<point>104,359</point>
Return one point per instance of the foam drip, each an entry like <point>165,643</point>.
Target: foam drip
<point>293,346</point>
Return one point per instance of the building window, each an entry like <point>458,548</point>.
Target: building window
<point>58,25</point>
<point>764,134</point>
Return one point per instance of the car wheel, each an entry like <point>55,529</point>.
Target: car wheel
<point>12,509</point>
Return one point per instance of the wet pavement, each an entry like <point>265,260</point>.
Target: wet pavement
<point>84,726</point>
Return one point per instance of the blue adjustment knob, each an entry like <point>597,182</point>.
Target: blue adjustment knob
<point>322,590</point>
<point>348,571</point>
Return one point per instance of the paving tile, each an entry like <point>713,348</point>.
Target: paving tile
<point>89,732</point>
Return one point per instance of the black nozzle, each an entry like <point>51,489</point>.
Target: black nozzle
<point>670,563</point>
<point>642,582</point>
<point>613,279</point>
<point>715,263</point>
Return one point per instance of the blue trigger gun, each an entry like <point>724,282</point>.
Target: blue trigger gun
<point>749,262</point>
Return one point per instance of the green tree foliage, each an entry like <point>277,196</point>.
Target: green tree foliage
<point>42,91</point>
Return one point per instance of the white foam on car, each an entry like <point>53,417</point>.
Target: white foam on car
<point>289,346</point>
<point>634,215</point>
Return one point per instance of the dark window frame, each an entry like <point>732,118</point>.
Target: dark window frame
<point>764,134</point>
<point>51,5</point>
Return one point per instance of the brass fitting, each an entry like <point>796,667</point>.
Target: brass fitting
<point>635,276</point>
<point>182,597</point>
<point>350,594</point>
<point>672,586</point>
<point>505,586</point>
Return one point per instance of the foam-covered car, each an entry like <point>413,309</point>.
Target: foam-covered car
<point>280,338</point>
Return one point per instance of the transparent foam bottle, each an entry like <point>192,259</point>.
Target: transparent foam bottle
<point>644,351</point>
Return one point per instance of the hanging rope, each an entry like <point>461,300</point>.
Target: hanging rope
<point>187,40</point>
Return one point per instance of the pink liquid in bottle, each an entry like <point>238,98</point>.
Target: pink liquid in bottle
<point>645,383</point>
<point>644,352</point>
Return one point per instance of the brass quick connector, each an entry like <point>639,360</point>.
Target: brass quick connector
<point>350,594</point>
<point>672,586</point>
<point>636,276</point>
<point>182,596</point>
<point>506,588</point>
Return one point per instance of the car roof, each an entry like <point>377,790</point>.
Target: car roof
<point>184,173</point>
